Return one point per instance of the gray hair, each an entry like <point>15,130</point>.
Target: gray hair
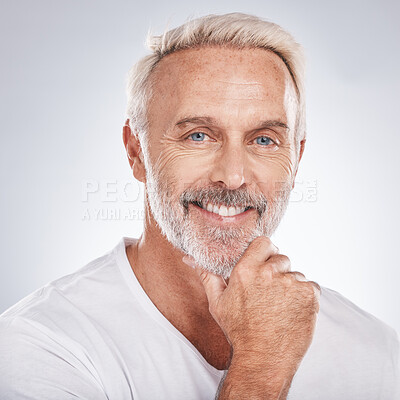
<point>235,30</point>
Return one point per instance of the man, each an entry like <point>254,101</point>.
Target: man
<point>203,305</point>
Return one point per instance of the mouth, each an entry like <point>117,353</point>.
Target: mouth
<point>220,213</point>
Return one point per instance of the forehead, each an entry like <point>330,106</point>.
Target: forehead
<point>219,79</point>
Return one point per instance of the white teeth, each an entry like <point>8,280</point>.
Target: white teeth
<point>232,211</point>
<point>223,210</point>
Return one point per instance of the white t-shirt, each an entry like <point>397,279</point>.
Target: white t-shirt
<point>96,335</point>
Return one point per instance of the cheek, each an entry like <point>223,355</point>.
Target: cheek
<point>180,167</point>
<point>279,166</point>
<point>275,173</point>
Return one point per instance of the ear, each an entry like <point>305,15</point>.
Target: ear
<point>302,145</point>
<point>134,152</point>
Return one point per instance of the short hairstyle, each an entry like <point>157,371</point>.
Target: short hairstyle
<point>235,30</point>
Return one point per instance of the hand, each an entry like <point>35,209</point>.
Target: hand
<point>267,313</point>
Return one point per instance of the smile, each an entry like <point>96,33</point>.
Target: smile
<point>221,209</point>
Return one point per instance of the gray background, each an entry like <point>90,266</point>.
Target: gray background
<point>63,68</point>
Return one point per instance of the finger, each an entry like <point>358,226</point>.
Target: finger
<point>314,285</point>
<point>259,250</point>
<point>317,289</point>
<point>279,263</point>
<point>189,261</point>
<point>297,275</point>
<point>214,286</point>
<point>317,294</point>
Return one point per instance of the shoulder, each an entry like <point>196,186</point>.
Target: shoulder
<point>45,337</point>
<point>41,311</point>
<point>75,288</point>
<point>60,311</point>
<point>353,354</point>
<point>36,363</point>
<point>339,309</point>
<point>342,321</point>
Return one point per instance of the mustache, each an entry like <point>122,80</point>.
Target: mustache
<point>217,195</point>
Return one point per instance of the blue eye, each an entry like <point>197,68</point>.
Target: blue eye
<point>197,136</point>
<point>264,140</point>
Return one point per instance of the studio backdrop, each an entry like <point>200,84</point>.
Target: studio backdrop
<point>68,194</point>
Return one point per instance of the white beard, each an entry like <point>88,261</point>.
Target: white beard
<point>214,248</point>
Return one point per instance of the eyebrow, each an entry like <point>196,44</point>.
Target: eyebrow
<point>212,121</point>
<point>195,120</point>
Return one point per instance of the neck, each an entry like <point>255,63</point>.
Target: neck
<point>176,290</point>
<point>159,267</point>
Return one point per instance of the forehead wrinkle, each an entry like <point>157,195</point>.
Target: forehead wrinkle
<point>177,81</point>
<point>180,63</point>
<point>240,83</point>
<point>236,90</point>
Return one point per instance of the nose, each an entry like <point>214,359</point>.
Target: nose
<point>230,166</point>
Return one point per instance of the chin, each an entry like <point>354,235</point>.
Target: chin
<point>219,254</point>
<point>219,266</point>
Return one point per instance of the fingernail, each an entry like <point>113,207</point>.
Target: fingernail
<point>189,261</point>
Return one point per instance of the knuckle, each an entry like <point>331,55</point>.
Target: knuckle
<point>280,262</point>
<point>282,258</point>
<point>272,266</point>
<point>300,276</point>
<point>314,291</point>
<point>287,278</point>
<point>315,284</point>
<point>262,241</point>
<point>267,271</point>
<point>290,275</point>
<point>242,271</point>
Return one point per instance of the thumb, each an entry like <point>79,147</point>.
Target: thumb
<point>213,284</point>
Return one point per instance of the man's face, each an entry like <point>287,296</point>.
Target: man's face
<point>221,133</point>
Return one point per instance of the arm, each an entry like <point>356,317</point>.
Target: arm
<point>246,380</point>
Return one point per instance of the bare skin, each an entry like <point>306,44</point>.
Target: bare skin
<point>231,93</point>
<point>268,315</point>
